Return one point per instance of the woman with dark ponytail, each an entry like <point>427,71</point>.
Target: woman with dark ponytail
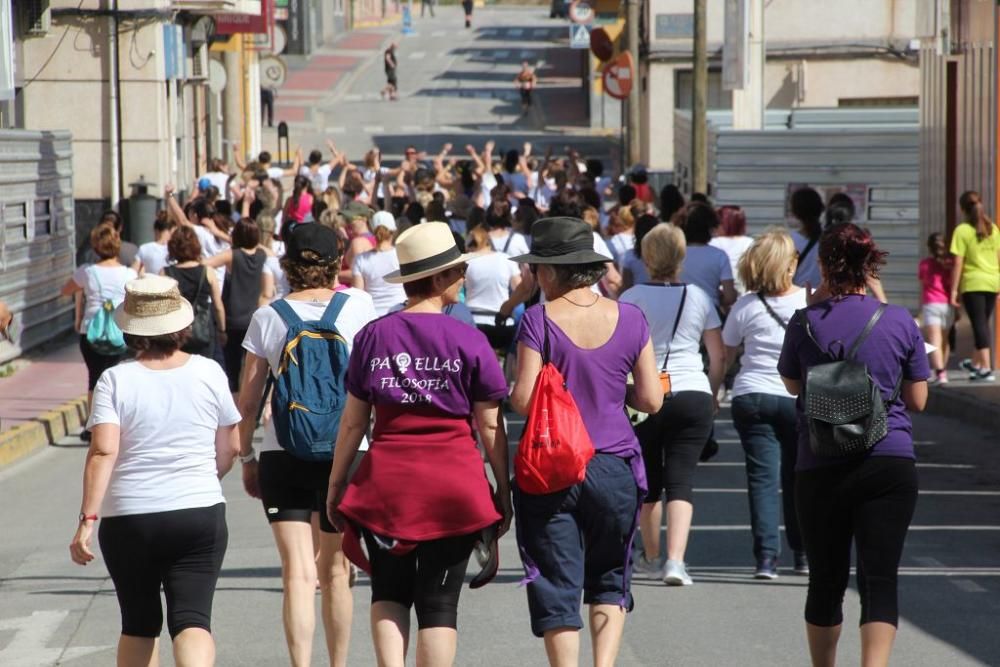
<point>299,205</point>
<point>976,276</point>
<point>807,207</point>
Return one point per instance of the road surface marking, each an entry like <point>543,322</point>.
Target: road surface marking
<point>416,55</point>
<point>335,130</point>
<point>373,129</point>
<point>968,586</point>
<point>29,647</point>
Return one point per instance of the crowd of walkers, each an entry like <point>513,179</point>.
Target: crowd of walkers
<point>374,320</point>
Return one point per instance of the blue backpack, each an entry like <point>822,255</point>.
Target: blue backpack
<point>103,333</point>
<point>309,393</point>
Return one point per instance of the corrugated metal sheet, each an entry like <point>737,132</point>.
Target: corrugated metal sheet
<point>933,140</point>
<point>37,243</point>
<point>877,147</point>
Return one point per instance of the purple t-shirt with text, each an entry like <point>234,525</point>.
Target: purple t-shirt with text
<point>424,360</point>
<point>893,349</point>
<point>596,378</point>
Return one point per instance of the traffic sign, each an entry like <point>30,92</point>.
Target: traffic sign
<point>579,36</point>
<point>618,76</point>
<point>581,12</point>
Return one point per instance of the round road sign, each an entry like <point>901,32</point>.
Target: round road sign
<point>272,72</point>
<point>618,76</point>
<point>580,11</point>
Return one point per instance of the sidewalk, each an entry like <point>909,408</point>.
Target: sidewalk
<point>43,400</point>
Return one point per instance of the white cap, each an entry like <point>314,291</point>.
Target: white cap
<point>384,219</point>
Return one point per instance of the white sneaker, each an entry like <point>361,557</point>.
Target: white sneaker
<point>651,569</point>
<point>675,574</point>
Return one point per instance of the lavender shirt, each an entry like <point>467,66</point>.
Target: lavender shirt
<point>894,348</point>
<point>596,378</point>
<point>424,360</point>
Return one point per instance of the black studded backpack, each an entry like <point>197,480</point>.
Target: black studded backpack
<point>843,404</point>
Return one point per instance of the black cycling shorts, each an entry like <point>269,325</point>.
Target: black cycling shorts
<point>292,489</point>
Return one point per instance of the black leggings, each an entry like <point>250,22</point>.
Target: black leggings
<point>979,306</point>
<point>233,353</point>
<point>181,550</point>
<point>871,503</point>
<point>96,362</point>
<point>672,441</point>
<point>429,577</point>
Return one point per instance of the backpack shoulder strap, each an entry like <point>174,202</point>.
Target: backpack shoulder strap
<point>771,311</point>
<point>546,349</point>
<point>332,311</point>
<point>286,313</point>
<point>506,245</point>
<point>876,316</point>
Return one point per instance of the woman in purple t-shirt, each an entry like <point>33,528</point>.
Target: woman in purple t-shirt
<point>580,539</point>
<point>868,499</point>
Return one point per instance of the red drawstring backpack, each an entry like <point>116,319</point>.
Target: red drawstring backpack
<point>555,448</point>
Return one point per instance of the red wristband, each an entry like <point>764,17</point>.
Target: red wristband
<point>87,517</point>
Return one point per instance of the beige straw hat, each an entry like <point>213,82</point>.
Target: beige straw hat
<point>153,306</point>
<point>424,250</point>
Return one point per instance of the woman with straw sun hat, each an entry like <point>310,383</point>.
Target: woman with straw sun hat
<point>420,500</point>
<point>163,435</point>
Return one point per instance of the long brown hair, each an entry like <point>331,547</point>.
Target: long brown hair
<point>972,208</point>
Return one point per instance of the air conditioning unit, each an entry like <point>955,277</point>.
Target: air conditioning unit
<point>36,17</point>
<point>198,65</point>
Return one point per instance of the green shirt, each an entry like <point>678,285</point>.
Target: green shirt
<point>980,268</point>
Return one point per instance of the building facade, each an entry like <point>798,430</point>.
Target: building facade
<point>849,53</point>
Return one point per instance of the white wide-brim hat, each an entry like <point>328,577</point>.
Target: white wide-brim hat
<point>424,250</point>
<point>153,306</point>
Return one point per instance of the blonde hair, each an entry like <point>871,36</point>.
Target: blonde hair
<point>479,239</point>
<point>592,217</point>
<point>663,251</point>
<point>769,264</point>
<point>266,224</point>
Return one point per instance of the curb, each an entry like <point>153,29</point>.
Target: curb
<point>43,430</point>
<point>965,407</point>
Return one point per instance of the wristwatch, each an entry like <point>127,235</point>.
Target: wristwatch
<point>249,458</point>
<point>87,517</point>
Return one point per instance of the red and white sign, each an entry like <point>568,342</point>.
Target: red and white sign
<point>618,76</point>
<point>580,11</point>
<point>254,24</point>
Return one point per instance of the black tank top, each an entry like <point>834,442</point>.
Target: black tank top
<point>242,289</point>
<point>190,281</point>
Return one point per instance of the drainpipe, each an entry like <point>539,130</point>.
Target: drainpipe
<point>114,85</point>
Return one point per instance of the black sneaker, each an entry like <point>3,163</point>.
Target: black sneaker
<point>767,568</point>
<point>801,563</point>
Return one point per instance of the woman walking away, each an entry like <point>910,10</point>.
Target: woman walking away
<point>526,81</point>
<point>706,266</point>
<point>976,276</point>
<point>370,267</point>
<point>579,540</point>
<point>273,284</point>
<point>153,256</point>
<point>489,281</point>
<point>732,239</point>
<point>200,286</point>
<point>164,435</point>
<point>293,489</point>
<point>97,289</point>
<point>865,497</point>
<point>937,313</point>
<point>763,411</point>
<point>467,8</point>
<point>420,500</point>
<point>241,293</point>
<point>681,317</point>
<point>633,269</point>
<point>807,207</point>
<point>298,207</point>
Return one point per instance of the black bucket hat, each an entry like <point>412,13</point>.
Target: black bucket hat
<point>561,241</point>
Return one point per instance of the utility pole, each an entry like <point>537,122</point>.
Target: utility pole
<point>634,121</point>
<point>699,121</point>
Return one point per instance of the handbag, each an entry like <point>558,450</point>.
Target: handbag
<point>637,417</point>
<point>203,325</point>
<point>556,447</point>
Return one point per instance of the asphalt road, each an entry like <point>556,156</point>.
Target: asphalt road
<point>55,612</point>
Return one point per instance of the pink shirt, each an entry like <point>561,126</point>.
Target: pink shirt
<point>935,278</point>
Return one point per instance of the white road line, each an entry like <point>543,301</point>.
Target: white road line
<point>968,586</point>
<point>416,55</point>
<point>335,130</point>
<point>373,129</point>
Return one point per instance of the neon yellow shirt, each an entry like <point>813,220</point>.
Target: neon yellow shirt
<point>980,268</point>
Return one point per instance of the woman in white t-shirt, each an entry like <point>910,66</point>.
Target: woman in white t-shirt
<point>499,222</point>
<point>91,286</point>
<point>163,436</point>
<point>732,239</point>
<point>489,280</point>
<point>370,267</point>
<point>681,317</point>
<point>763,411</point>
<point>153,256</point>
<point>293,491</point>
